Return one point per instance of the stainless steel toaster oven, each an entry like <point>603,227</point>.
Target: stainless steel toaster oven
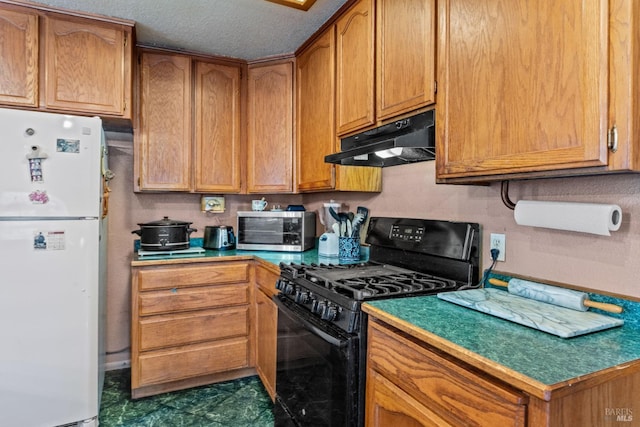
<point>287,231</point>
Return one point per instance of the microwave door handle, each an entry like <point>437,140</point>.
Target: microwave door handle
<point>336,342</point>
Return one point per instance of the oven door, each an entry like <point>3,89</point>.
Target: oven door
<point>317,371</point>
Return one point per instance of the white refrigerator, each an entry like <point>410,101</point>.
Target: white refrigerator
<point>52,268</point>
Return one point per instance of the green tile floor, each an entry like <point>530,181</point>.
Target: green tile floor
<point>239,403</point>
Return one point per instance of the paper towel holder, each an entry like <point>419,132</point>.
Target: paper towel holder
<point>504,192</point>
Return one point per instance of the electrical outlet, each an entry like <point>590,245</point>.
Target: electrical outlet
<point>499,242</point>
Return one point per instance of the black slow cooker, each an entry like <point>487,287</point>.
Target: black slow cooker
<point>165,234</point>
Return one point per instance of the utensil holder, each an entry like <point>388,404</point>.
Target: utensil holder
<point>348,249</point>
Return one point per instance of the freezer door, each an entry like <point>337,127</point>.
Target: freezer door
<point>49,322</point>
<point>49,165</point>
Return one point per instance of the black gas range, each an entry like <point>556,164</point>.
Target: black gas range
<point>334,292</point>
<point>322,329</point>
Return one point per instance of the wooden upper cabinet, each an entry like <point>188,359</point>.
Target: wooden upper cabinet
<point>270,128</point>
<point>189,124</point>
<point>355,50</point>
<point>164,148</point>
<point>523,86</point>
<point>217,128</point>
<point>65,63</point>
<point>87,67</point>
<point>316,134</point>
<point>405,55</point>
<point>19,53</point>
<point>385,61</point>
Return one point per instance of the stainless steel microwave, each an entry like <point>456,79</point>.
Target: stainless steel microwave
<point>287,231</point>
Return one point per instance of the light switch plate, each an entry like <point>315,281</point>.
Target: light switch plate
<point>212,203</point>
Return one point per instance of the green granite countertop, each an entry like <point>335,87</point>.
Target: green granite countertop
<point>274,257</point>
<point>537,355</point>
<point>542,357</point>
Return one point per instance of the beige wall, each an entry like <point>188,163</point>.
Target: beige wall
<point>604,263</point>
<point>126,210</point>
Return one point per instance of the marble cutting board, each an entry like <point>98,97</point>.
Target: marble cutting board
<point>560,321</point>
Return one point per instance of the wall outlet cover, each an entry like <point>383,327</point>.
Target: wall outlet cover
<point>499,242</point>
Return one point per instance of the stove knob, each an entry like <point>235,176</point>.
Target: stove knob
<point>329,313</point>
<point>302,297</point>
<point>288,288</point>
<point>280,284</point>
<point>318,307</point>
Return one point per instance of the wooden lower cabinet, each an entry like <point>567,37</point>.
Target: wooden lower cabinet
<point>191,325</point>
<point>411,383</point>
<point>266,326</point>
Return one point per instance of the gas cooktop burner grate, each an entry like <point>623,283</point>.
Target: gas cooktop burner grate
<point>368,281</point>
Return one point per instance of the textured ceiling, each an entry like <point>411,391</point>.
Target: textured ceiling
<point>245,29</point>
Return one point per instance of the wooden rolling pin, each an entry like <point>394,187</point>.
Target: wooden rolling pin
<point>554,295</point>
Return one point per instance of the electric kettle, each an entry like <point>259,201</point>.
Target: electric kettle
<point>219,237</point>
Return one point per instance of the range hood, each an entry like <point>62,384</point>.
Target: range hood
<point>409,140</point>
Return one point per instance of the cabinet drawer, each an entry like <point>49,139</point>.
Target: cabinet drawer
<point>177,277</point>
<point>185,362</point>
<point>457,394</point>
<point>174,300</point>
<point>193,327</point>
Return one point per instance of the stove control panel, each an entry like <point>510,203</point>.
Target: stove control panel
<point>408,233</point>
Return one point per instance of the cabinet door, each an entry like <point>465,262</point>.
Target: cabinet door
<point>164,149</point>
<point>270,129</point>
<point>355,68</point>
<point>316,135</point>
<point>87,67</point>
<point>19,53</point>
<point>266,340</point>
<point>217,128</point>
<point>388,405</point>
<point>522,86</point>
<point>405,56</point>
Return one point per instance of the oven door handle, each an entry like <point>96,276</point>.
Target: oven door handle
<point>334,341</point>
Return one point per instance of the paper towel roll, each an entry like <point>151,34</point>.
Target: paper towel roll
<point>582,217</point>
